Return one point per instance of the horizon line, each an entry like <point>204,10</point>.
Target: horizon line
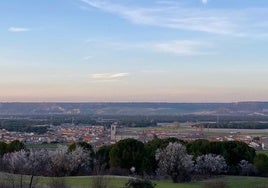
<point>167,102</point>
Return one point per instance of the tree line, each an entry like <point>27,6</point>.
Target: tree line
<point>160,158</point>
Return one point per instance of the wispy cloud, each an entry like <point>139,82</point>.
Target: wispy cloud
<point>204,1</point>
<point>171,14</point>
<point>109,76</point>
<point>88,58</point>
<point>153,71</point>
<point>176,47</point>
<point>184,47</point>
<point>18,29</point>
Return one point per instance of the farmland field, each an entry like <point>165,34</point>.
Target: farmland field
<point>41,146</point>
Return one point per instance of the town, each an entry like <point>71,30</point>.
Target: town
<point>99,135</point>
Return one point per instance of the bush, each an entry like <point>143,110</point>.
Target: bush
<point>215,184</point>
<point>139,183</point>
<point>261,164</point>
<point>246,169</point>
<point>100,182</point>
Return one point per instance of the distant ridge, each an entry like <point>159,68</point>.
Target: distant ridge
<point>134,108</point>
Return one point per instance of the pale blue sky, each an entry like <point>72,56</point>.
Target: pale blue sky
<point>134,50</point>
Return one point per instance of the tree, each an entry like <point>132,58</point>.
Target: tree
<point>261,164</point>
<point>64,162</point>
<point>15,162</point>
<point>216,148</point>
<point>3,148</point>
<point>235,151</point>
<point>15,145</point>
<point>150,148</point>
<point>210,164</point>
<point>42,162</point>
<point>198,147</point>
<point>102,156</point>
<point>59,161</point>
<point>87,148</point>
<point>79,161</point>
<point>175,162</point>
<point>245,168</point>
<point>127,153</point>
<point>36,164</point>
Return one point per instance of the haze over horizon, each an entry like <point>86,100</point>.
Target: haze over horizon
<point>133,51</point>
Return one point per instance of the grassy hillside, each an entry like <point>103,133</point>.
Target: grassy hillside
<point>118,182</point>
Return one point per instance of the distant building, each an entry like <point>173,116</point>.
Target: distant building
<point>118,133</point>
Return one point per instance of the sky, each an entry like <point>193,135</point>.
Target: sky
<point>133,50</point>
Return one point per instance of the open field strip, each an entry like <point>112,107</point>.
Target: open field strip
<point>262,151</point>
<point>118,182</point>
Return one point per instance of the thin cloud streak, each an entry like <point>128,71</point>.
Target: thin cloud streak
<point>18,29</point>
<point>174,15</point>
<point>175,47</point>
<point>183,48</point>
<point>107,76</point>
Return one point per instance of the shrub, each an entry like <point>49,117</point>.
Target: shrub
<point>139,183</point>
<point>246,169</point>
<point>100,182</point>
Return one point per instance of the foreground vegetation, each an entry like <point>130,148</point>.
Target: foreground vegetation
<point>165,159</point>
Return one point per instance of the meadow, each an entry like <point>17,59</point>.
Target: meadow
<point>262,151</point>
<point>118,182</point>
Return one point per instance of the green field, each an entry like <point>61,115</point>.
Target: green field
<point>118,182</point>
<point>262,151</point>
<point>41,146</point>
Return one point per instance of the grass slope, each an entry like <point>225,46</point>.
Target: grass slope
<point>118,182</point>
<point>262,151</point>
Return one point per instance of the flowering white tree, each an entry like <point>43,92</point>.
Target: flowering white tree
<point>78,159</point>
<point>210,164</point>
<point>64,162</point>
<point>59,162</point>
<point>15,162</point>
<point>36,164</point>
<point>175,162</point>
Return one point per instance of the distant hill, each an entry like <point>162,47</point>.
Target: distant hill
<point>239,108</point>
